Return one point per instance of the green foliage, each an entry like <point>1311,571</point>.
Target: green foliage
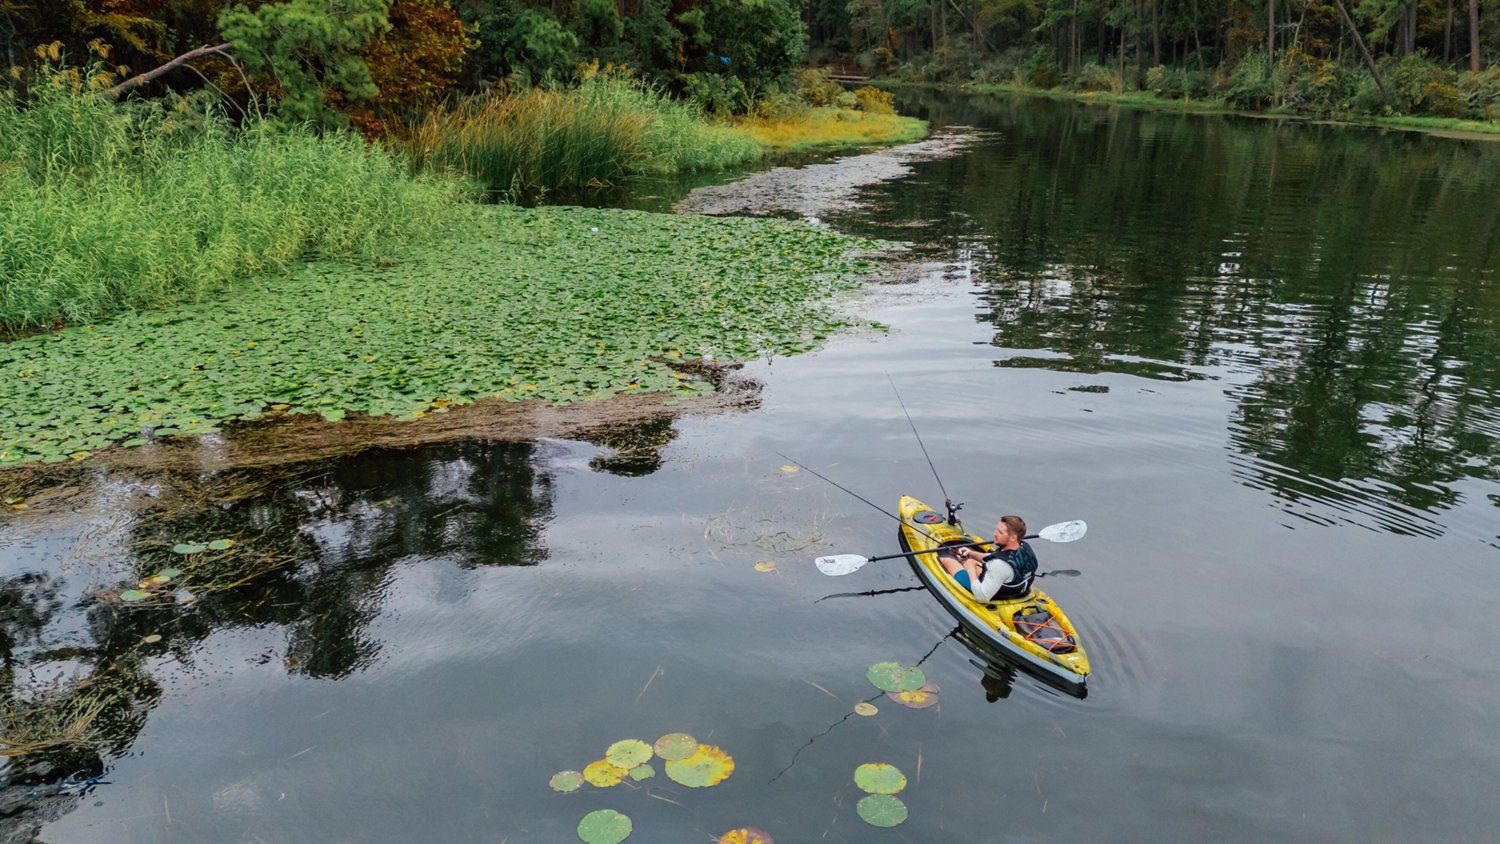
<point>814,88</point>
<point>558,304</point>
<point>717,93</point>
<point>1093,77</point>
<point>597,132</point>
<point>1248,86</point>
<point>1039,67</point>
<point>105,207</point>
<point>308,48</point>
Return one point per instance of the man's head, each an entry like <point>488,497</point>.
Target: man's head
<point>1009,532</point>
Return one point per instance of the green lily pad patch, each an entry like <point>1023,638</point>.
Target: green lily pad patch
<point>629,753</point>
<point>883,810</point>
<point>131,596</point>
<point>496,310</point>
<point>189,548</point>
<point>642,772</point>
<point>566,781</point>
<point>894,677</point>
<point>673,747</point>
<point>604,826</point>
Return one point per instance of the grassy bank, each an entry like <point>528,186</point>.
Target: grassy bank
<point>606,129</point>
<point>831,128</point>
<point>557,303</point>
<point>599,132</point>
<point>105,207</point>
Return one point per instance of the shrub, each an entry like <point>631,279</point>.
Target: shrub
<point>1248,86</point>
<point>717,93</point>
<point>1093,77</point>
<point>875,101</point>
<point>1165,82</point>
<point>813,87</point>
<point>1039,68</point>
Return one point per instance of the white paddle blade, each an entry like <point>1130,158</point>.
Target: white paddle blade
<point>840,564</point>
<point>1064,531</point>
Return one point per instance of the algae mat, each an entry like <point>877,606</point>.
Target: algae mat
<point>559,304</point>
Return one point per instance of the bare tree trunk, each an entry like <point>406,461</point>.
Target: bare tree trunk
<point>1365,51</point>
<point>932,13</point>
<point>1409,42</point>
<point>1448,34</point>
<point>1073,41</point>
<point>1474,63</point>
<point>1155,32</point>
<point>1270,34</point>
<point>1197,42</point>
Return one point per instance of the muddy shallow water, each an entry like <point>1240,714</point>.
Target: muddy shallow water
<point>1258,359</point>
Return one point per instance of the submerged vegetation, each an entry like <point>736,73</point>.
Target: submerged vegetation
<point>557,304</point>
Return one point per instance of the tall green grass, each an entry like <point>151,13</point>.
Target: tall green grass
<point>597,132</point>
<point>106,207</point>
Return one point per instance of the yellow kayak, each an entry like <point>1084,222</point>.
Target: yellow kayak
<point>1031,627</point>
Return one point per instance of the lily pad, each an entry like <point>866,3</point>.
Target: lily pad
<point>708,766</point>
<point>766,565</point>
<point>221,545</point>
<point>895,677</point>
<point>744,835</point>
<point>865,708</point>
<point>643,771</point>
<point>604,826</point>
<point>130,596</point>
<point>879,778</point>
<point>628,754</point>
<point>790,470</point>
<point>883,810</point>
<point>918,698</point>
<point>676,746</point>
<point>151,639</point>
<point>603,773</point>
<point>169,573</point>
<point>566,782</point>
<point>189,548</point>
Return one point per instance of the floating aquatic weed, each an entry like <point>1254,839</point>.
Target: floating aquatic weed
<point>884,810</point>
<point>708,766</point>
<point>865,708</point>
<point>494,311</point>
<point>566,781</point>
<point>604,826</point>
<point>879,778</point>
<point>894,677</point>
<point>603,773</point>
<point>130,596</point>
<point>151,639</point>
<point>189,548</point>
<point>628,753</point>
<point>766,566</point>
<point>744,835</point>
<point>643,771</point>
<point>922,698</point>
<point>676,746</point>
<point>221,545</point>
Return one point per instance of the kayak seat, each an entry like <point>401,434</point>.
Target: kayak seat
<point>1040,627</point>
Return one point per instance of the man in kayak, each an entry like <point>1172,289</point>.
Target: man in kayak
<point>1006,572</point>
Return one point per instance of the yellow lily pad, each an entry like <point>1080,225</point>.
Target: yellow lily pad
<point>766,565</point>
<point>709,766</point>
<point>744,835</point>
<point>879,778</point>
<point>865,708</point>
<point>603,773</point>
<point>918,698</point>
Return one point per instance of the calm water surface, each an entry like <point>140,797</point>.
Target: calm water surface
<point>1261,359</point>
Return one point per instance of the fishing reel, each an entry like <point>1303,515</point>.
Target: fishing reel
<point>953,510</point>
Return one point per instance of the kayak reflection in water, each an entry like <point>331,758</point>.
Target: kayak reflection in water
<point>997,685</point>
<point>969,567</point>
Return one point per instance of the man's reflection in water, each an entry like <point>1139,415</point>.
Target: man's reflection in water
<point>997,681</point>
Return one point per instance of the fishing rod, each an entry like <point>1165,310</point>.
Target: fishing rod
<point>947,501</point>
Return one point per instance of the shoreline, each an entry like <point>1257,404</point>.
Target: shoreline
<point>1439,126</point>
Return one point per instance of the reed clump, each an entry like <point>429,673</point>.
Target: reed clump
<point>107,206</point>
<point>595,133</point>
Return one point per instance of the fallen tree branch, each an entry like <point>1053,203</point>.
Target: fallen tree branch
<point>141,79</point>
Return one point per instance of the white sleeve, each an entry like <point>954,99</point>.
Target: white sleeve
<point>997,573</point>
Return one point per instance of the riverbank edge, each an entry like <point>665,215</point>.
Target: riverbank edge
<point>1145,100</point>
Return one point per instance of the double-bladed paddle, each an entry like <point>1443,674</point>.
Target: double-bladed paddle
<point>840,564</point>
